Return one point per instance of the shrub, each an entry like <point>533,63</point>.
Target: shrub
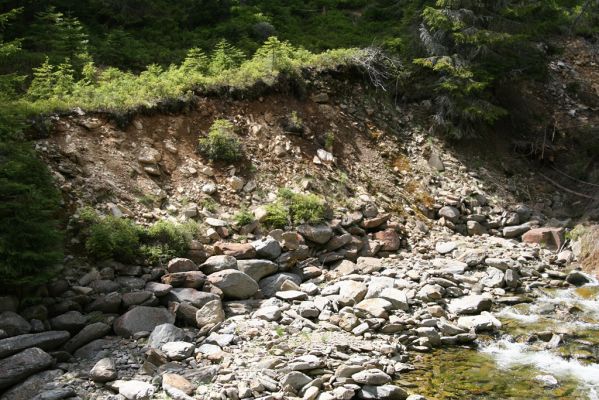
<point>221,142</point>
<point>114,238</point>
<point>243,217</point>
<point>306,208</point>
<point>165,240</point>
<point>277,216</point>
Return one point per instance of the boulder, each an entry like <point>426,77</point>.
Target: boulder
<point>32,386</point>
<point>19,366</point>
<point>108,304</point>
<point>104,371</point>
<point>389,239</point>
<point>351,292</point>
<point>218,263</point>
<point>510,232</point>
<point>272,284</point>
<point>234,284</point>
<point>552,238</point>
<point>71,321</point>
<point>159,289</point>
<point>45,340</point>
<point>178,382</point>
<point>134,390</point>
<point>211,313</point>
<point>191,296</point>
<point>473,304</point>
<point>141,319</point>
<point>371,377</point>
<point>449,213</point>
<point>178,351</point>
<point>13,324</point>
<point>316,233</point>
<point>384,392</point>
<point>181,265</point>
<point>165,333</point>
<point>240,251</point>
<point>88,334</point>
<point>577,278</point>
<point>376,307</point>
<point>257,269</point>
<point>485,322</point>
<point>189,279</point>
<point>267,248</point>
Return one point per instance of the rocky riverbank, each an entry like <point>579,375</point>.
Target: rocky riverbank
<point>245,324</point>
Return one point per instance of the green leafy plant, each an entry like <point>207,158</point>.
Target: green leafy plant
<point>114,238</point>
<point>221,143</point>
<point>277,216</point>
<point>243,217</point>
<point>165,240</point>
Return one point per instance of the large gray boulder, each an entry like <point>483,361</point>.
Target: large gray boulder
<point>474,304</point>
<point>191,296</point>
<point>181,265</point>
<point>257,269</point>
<point>268,248</point>
<point>142,319</point>
<point>218,263</point>
<point>316,233</point>
<point>272,284</point>
<point>165,333</point>
<point>234,284</point>
<point>13,324</point>
<point>45,341</point>
<point>17,367</point>
<point>90,333</point>
<point>70,321</point>
<point>31,386</point>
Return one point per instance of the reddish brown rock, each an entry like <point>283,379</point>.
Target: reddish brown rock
<point>375,222</point>
<point>238,250</point>
<point>189,279</point>
<point>552,238</point>
<point>389,239</point>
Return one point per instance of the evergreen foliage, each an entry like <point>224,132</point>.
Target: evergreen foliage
<point>221,144</point>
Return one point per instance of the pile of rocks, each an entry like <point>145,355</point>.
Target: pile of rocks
<point>267,319</point>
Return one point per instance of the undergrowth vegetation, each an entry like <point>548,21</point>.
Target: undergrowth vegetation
<point>221,144</point>
<point>121,239</point>
<point>295,208</point>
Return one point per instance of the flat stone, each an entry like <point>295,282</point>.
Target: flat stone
<point>384,392</point>
<point>485,322</point>
<point>376,307</point>
<point>474,304</point>
<point>445,247</point>
<point>552,238</point>
<point>178,351</point>
<point>71,321</point>
<point>189,279</point>
<point>159,289</point>
<point>178,382</point>
<point>290,295</point>
<point>192,296</point>
<point>17,367</point>
<point>134,390</point>
<point>241,251</point>
<point>45,340</point>
<point>218,263</point>
<point>510,232</point>
<point>32,386</point>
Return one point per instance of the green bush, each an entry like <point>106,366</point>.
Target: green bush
<point>165,240</point>
<point>114,238</point>
<point>221,143</point>
<point>277,216</point>
<point>243,217</point>
<point>296,208</point>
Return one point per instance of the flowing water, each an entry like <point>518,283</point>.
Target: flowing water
<point>548,349</point>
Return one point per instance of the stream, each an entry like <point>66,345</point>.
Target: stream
<point>548,349</point>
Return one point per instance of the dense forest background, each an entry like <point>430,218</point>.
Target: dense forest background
<point>56,55</point>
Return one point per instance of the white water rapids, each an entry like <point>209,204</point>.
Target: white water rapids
<point>508,353</point>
